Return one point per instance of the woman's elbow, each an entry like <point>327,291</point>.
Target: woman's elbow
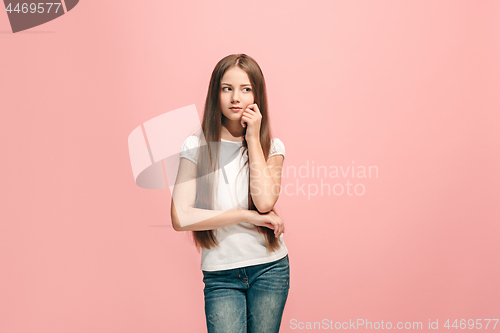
<point>175,224</point>
<point>264,208</point>
<point>175,220</point>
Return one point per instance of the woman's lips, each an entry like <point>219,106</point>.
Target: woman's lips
<point>236,109</point>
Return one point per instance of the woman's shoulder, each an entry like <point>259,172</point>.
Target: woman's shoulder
<point>277,147</point>
<point>191,141</point>
<point>276,141</point>
<point>189,148</point>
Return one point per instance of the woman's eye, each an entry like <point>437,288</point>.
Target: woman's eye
<point>228,88</point>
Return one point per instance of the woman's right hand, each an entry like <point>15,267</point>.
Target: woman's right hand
<point>269,220</point>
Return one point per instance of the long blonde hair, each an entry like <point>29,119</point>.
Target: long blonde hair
<point>208,157</point>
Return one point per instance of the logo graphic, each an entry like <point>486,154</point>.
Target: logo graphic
<point>155,148</point>
<point>26,15</point>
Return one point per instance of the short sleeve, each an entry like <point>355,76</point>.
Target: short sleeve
<point>277,147</point>
<point>190,148</point>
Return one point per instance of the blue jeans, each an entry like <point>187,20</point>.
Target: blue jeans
<point>248,298</point>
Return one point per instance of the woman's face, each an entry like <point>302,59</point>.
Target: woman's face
<point>236,93</point>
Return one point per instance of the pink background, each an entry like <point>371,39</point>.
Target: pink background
<point>408,86</point>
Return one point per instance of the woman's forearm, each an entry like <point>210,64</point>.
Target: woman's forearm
<point>262,182</point>
<point>197,219</point>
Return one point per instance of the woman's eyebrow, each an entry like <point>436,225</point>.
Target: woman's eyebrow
<point>227,84</point>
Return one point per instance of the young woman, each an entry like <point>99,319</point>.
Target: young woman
<point>228,182</point>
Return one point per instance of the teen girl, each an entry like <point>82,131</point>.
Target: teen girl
<point>244,258</point>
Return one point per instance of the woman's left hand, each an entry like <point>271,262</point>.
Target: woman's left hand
<point>251,119</point>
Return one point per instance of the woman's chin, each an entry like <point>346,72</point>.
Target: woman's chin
<point>235,117</point>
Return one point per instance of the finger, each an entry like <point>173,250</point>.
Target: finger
<point>277,221</point>
<point>255,108</point>
<point>275,227</point>
<point>273,218</point>
<point>269,225</point>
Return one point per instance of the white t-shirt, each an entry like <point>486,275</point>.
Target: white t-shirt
<point>240,244</point>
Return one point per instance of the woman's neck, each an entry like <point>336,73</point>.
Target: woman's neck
<point>232,131</point>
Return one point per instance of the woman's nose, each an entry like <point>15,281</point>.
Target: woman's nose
<point>235,97</point>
